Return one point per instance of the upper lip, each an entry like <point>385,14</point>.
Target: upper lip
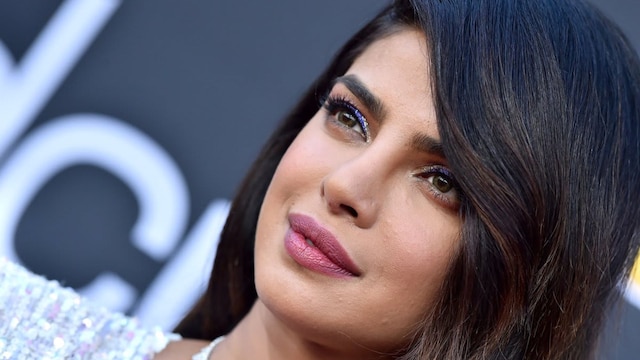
<point>324,240</point>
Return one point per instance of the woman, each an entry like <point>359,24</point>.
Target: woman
<point>462,191</point>
<point>460,183</point>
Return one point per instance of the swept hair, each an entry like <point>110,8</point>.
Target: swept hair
<point>538,106</point>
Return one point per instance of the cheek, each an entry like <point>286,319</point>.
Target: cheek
<point>418,256</point>
<point>304,163</point>
<point>294,177</point>
<point>431,247</point>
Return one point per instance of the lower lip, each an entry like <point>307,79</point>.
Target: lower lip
<point>311,257</point>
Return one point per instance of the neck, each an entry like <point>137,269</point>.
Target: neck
<point>261,336</point>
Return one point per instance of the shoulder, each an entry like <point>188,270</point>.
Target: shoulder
<point>181,349</point>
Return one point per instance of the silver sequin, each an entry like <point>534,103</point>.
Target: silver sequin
<point>39,319</point>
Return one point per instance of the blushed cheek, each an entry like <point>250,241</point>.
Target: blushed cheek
<point>307,160</point>
<point>423,257</point>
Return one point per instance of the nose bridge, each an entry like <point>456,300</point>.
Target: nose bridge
<point>357,185</point>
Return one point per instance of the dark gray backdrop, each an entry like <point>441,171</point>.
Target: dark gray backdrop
<point>204,80</point>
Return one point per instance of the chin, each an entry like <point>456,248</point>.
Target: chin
<point>294,307</point>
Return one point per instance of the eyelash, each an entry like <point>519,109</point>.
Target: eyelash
<point>337,104</point>
<point>431,171</point>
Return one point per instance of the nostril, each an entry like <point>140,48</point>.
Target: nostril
<point>350,210</point>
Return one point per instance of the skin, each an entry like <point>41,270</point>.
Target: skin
<point>396,221</point>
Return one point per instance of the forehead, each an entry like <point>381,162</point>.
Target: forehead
<point>396,69</point>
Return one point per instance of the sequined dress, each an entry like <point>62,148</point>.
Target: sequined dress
<point>41,320</point>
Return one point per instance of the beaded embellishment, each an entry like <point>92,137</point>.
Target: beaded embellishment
<point>41,320</point>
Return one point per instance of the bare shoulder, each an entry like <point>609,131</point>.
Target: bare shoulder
<point>181,349</point>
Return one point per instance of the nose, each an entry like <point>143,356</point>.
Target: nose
<point>355,188</point>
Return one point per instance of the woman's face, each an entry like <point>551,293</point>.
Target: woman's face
<point>360,221</point>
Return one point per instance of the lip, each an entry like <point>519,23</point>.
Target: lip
<point>325,256</point>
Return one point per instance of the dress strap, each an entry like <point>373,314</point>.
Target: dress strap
<point>205,353</point>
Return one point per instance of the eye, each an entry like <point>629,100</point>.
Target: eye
<point>344,113</point>
<point>441,184</point>
<point>348,120</point>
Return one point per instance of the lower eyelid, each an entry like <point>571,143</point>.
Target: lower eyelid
<point>450,202</point>
<point>336,126</point>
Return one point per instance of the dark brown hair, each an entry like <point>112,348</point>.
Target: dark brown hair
<point>538,107</point>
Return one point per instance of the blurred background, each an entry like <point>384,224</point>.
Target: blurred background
<point>125,127</point>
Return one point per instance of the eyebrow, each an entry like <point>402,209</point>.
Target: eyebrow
<point>427,144</point>
<point>420,142</point>
<point>360,90</point>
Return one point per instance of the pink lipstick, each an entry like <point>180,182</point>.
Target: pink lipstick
<point>315,248</point>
